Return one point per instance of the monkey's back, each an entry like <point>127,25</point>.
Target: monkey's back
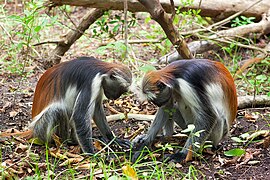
<point>55,82</point>
<point>202,72</point>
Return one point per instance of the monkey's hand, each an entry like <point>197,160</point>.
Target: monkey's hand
<point>137,146</point>
<point>123,143</point>
<point>139,142</point>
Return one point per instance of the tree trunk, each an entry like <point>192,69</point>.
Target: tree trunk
<point>63,46</point>
<point>160,16</point>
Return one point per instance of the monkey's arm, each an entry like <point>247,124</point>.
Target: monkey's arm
<point>80,120</point>
<point>160,120</point>
<point>102,124</point>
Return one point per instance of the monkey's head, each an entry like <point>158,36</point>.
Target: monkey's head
<point>117,81</point>
<point>157,87</point>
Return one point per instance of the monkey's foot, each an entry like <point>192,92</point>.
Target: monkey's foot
<point>177,157</point>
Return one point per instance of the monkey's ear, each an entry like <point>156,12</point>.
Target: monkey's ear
<point>160,85</point>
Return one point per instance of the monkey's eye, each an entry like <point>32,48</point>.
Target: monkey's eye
<point>112,77</point>
<point>160,85</point>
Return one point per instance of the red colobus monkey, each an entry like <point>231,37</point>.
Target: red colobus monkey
<point>70,94</point>
<point>201,92</point>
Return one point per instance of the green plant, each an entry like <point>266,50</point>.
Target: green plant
<point>242,20</point>
<point>108,26</point>
<point>118,49</point>
<point>20,32</point>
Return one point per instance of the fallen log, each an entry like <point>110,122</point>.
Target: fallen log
<point>200,46</point>
<point>218,9</point>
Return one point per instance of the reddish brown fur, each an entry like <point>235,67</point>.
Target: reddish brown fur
<point>229,91</point>
<point>44,93</point>
<point>42,89</point>
<point>163,75</point>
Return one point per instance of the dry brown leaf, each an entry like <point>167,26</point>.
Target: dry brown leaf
<point>97,145</point>
<point>251,117</point>
<point>72,155</point>
<point>6,105</point>
<point>189,154</point>
<point>231,161</point>
<point>75,150</point>
<point>130,172</point>
<point>12,130</point>
<point>85,166</point>
<point>71,161</point>
<point>266,142</point>
<point>57,154</point>
<point>13,113</point>
<point>21,148</point>
<point>57,140</point>
<point>258,133</point>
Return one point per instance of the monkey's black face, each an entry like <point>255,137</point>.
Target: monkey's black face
<point>114,86</point>
<point>158,93</point>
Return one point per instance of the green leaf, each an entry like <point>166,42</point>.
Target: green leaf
<point>37,29</point>
<point>235,152</point>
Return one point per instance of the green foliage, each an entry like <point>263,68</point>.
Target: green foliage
<point>257,80</point>
<point>242,20</point>
<point>235,152</point>
<point>21,31</point>
<point>118,49</point>
<point>108,26</point>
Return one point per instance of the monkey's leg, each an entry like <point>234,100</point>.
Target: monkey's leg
<point>52,120</point>
<point>101,122</point>
<point>204,122</point>
<point>145,140</point>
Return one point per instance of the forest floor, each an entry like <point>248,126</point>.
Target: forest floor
<point>21,158</point>
<point>255,164</point>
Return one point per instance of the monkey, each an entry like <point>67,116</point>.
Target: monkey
<point>69,95</point>
<point>198,91</point>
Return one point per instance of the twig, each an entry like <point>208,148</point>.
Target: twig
<point>126,28</point>
<point>220,23</point>
<point>47,42</point>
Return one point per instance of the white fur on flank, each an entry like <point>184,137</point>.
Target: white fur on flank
<point>68,100</point>
<point>188,94</point>
<point>217,99</point>
<point>53,105</point>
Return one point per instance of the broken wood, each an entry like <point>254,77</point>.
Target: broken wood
<point>64,45</point>
<point>160,16</point>
<point>218,9</point>
<point>243,103</point>
<point>225,36</point>
<point>253,101</point>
